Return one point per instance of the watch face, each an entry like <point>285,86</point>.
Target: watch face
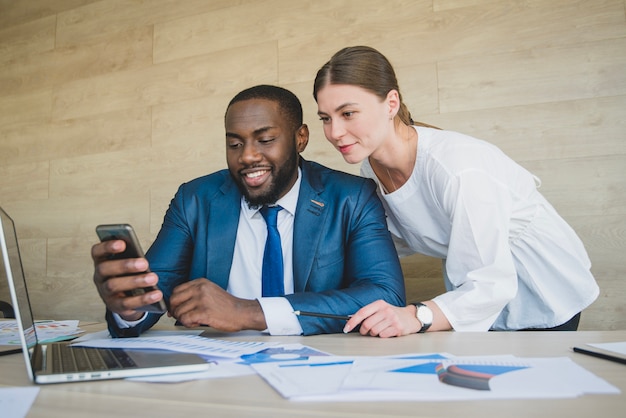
<point>425,315</point>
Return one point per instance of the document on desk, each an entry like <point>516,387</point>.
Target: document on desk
<point>233,367</point>
<point>47,331</point>
<point>618,347</point>
<point>432,378</point>
<point>185,343</point>
<point>16,402</point>
<point>320,376</point>
<point>309,378</point>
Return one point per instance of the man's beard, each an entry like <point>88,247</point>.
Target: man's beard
<point>281,180</point>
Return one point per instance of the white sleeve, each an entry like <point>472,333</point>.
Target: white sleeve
<point>279,316</point>
<point>127,324</point>
<point>479,265</point>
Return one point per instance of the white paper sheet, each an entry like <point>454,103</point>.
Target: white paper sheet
<point>617,347</point>
<point>233,367</point>
<point>16,402</point>
<point>433,379</point>
<point>99,335</point>
<point>181,343</point>
<point>312,377</point>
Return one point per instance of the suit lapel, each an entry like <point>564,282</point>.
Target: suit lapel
<point>310,217</point>
<point>222,226</point>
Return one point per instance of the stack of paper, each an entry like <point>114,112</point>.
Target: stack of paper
<point>185,343</point>
<point>303,373</point>
<point>431,377</point>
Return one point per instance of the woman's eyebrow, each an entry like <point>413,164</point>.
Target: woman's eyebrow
<point>338,108</point>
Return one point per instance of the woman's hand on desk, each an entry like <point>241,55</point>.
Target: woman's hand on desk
<point>380,319</point>
<point>383,320</point>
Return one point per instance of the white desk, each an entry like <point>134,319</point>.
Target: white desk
<point>250,396</point>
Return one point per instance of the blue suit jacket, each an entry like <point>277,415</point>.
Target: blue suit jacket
<point>343,254</point>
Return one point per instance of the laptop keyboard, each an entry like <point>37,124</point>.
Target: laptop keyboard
<point>70,359</point>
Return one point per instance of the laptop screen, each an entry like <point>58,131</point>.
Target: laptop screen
<point>12,264</point>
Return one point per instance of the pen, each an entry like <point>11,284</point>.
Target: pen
<point>322,315</point>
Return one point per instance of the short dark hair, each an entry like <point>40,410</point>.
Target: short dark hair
<point>286,100</point>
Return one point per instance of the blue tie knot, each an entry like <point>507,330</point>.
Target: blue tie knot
<point>270,214</point>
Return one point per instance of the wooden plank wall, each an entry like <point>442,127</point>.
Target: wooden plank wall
<point>106,106</point>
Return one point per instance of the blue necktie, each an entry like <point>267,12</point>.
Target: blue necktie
<point>273,282</point>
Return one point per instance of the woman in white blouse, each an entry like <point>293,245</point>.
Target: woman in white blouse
<point>510,261</point>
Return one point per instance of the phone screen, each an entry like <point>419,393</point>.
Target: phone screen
<point>126,233</point>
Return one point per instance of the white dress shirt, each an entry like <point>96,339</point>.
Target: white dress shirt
<point>245,274</point>
<point>511,262</point>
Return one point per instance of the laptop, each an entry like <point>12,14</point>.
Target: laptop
<point>60,362</point>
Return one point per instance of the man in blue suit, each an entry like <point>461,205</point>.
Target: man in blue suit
<point>207,259</point>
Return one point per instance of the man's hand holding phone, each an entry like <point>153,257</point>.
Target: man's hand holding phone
<point>122,274</point>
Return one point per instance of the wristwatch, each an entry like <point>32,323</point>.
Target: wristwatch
<point>425,315</point>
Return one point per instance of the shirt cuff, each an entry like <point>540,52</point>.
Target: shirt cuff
<point>279,317</point>
<point>127,324</point>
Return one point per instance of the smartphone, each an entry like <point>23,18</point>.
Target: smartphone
<point>126,233</point>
